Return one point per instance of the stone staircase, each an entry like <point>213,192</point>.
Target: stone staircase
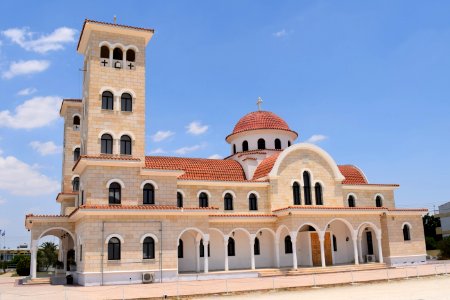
<point>44,280</point>
<point>320,270</point>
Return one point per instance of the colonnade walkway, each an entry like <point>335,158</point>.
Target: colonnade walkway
<point>10,290</point>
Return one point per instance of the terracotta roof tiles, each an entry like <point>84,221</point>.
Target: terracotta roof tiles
<point>265,166</point>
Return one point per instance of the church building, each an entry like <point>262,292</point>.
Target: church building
<point>272,203</point>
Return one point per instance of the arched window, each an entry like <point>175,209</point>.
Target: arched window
<point>351,201</point>
<point>253,202</point>
<point>244,146</point>
<point>149,194</point>
<point>296,193</point>
<point>125,145</point>
<point>261,144</point>
<point>277,144</point>
<point>318,192</point>
<point>117,54</point>
<point>76,154</point>
<point>234,148</point>
<point>107,144</point>
<point>334,243</point>
<point>126,102</point>
<point>179,199</point>
<point>202,249</point>
<point>131,56</point>
<point>256,247</point>
<point>287,244</point>
<point>378,201</point>
<point>228,201</point>
<point>107,100</point>
<point>148,248</point>
<point>180,248</point>
<point>114,193</point>
<point>203,199</point>
<point>406,233</point>
<point>114,249</point>
<point>307,188</point>
<point>76,120</point>
<point>104,52</point>
<point>76,184</point>
<point>289,143</point>
<point>231,247</point>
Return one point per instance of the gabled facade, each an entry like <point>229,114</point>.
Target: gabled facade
<point>272,203</point>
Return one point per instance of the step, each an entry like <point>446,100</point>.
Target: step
<point>319,270</point>
<point>35,281</point>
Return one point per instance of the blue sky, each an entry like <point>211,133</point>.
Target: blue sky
<point>369,79</point>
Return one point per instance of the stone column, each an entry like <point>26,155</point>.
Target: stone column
<point>252,250</point>
<point>225,243</point>
<point>355,247</point>
<point>33,261</point>
<point>361,258</point>
<point>322,247</point>
<point>380,250</point>
<point>205,250</point>
<point>197,255</point>
<point>277,253</point>
<point>293,235</point>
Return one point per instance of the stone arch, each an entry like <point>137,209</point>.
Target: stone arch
<point>368,224</point>
<point>347,223</point>
<point>239,229</point>
<point>114,235</point>
<point>188,229</point>
<point>153,236</point>
<point>128,91</point>
<point>44,233</point>
<point>107,132</point>
<point>119,181</point>
<point>309,224</point>
<point>155,185</point>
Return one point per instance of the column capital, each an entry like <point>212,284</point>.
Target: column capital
<point>293,235</point>
<point>225,239</point>
<point>252,236</point>
<point>321,236</point>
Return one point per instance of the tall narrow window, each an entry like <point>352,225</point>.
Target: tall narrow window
<point>334,243</point>
<point>244,146</point>
<point>307,188</point>
<point>261,144</point>
<point>351,201</point>
<point>114,193</point>
<point>131,56</point>
<point>114,249</point>
<point>179,199</point>
<point>296,193</point>
<point>126,102</point>
<point>231,247</point>
<point>318,192</point>
<point>180,248</point>
<point>148,248</point>
<point>234,148</point>
<point>378,201</point>
<point>117,54</point>
<point>203,199</point>
<point>76,184</point>
<point>149,194</point>
<point>406,233</point>
<point>76,154</point>
<point>76,120</point>
<point>277,144</point>
<point>256,247</point>
<point>107,100</point>
<point>253,202</point>
<point>104,52</point>
<point>228,201</point>
<point>125,145</point>
<point>289,143</point>
<point>287,244</point>
<point>107,144</point>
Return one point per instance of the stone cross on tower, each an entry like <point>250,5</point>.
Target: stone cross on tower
<point>259,102</point>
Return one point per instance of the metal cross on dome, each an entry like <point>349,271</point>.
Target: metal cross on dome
<point>259,102</point>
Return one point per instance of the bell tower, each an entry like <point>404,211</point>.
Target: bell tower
<point>113,112</point>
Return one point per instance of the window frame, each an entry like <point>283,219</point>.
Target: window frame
<point>106,144</point>
<point>126,102</point>
<point>203,200</point>
<point>179,199</point>
<point>244,146</point>
<point>252,202</point>
<point>378,201</point>
<point>318,193</point>
<point>228,202</point>
<point>256,247</point>
<point>116,189</point>
<point>406,232</point>
<point>351,201</point>
<point>277,144</point>
<point>76,153</point>
<point>107,100</point>
<point>180,249</point>
<point>261,144</point>
<point>148,194</point>
<point>126,145</point>
<point>231,247</point>
<point>114,249</point>
<point>288,245</point>
<point>76,183</point>
<point>307,188</point>
<point>296,193</point>
<point>148,248</point>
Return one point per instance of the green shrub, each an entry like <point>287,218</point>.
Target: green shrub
<point>23,266</point>
<point>444,247</point>
<point>430,243</point>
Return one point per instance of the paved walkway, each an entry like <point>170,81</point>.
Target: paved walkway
<point>8,290</point>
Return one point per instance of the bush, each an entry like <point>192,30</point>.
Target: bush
<point>430,243</point>
<point>444,247</point>
<point>23,266</point>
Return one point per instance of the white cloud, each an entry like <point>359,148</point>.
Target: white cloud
<point>162,135</point>
<point>19,178</point>
<point>158,151</point>
<point>281,33</point>
<point>33,113</point>
<point>46,148</point>
<point>26,92</point>
<point>44,43</point>
<point>196,128</point>
<point>215,156</point>
<point>316,138</point>
<point>2,201</point>
<point>25,67</point>
<point>185,150</point>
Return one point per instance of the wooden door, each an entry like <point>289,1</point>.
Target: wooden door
<point>315,249</point>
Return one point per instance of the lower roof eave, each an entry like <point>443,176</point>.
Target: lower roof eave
<point>31,219</point>
<point>329,210</point>
<point>247,218</point>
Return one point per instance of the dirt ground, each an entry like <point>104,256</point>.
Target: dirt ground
<point>429,288</point>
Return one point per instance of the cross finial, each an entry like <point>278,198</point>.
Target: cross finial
<point>115,19</point>
<point>259,102</point>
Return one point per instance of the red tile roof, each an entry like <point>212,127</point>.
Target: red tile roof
<point>243,216</point>
<point>260,120</point>
<point>265,166</point>
<point>199,168</point>
<point>352,175</point>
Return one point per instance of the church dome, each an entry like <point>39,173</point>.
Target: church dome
<point>258,120</point>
